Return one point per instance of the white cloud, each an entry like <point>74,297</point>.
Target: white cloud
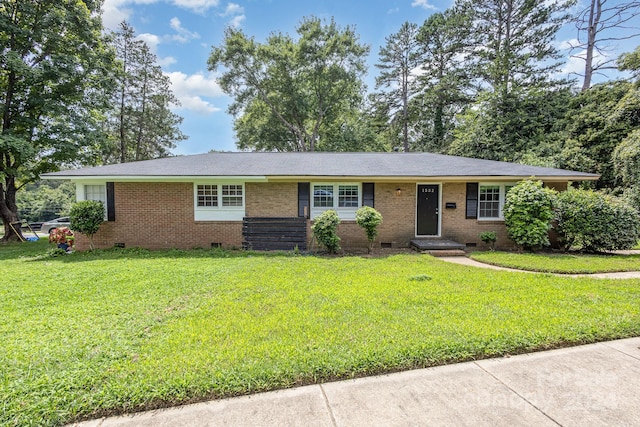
<point>237,12</point>
<point>114,12</point>
<point>166,61</point>
<point>199,6</point>
<point>392,11</point>
<point>237,21</point>
<point>190,89</point>
<point>576,60</point>
<point>183,35</point>
<point>233,9</point>
<point>151,40</point>
<point>423,4</point>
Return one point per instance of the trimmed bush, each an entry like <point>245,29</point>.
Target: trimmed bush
<point>490,238</point>
<point>528,211</point>
<point>325,230</point>
<point>369,219</point>
<point>591,221</point>
<point>86,217</point>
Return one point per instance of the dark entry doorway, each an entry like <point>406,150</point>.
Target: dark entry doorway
<point>428,210</point>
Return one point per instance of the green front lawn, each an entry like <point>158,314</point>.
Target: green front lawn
<point>560,263</point>
<point>87,335</point>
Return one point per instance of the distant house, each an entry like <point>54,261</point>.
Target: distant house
<point>269,200</point>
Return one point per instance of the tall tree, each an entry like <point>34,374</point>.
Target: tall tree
<point>600,25</point>
<point>513,41</point>
<point>444,80</point>
<point>52,60</point>
<point>626,156</point>
<point>594,127</point>
<point>142,126</point>
<point>398,62</point>
<point>288,92</point>
<point>515,58</point>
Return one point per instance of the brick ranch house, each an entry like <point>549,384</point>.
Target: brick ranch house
<point>269,200</point>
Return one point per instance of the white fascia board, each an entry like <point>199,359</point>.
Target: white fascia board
<point>345,178</point>
<point>94,178</point>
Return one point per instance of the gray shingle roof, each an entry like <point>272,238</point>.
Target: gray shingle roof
<point>319,164</point>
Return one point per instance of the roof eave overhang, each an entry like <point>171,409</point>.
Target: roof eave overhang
<point>493,178</point>
<point>282,178</point>
<point>156,178</point>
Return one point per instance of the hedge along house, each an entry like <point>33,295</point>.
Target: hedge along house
<point>268,200</point>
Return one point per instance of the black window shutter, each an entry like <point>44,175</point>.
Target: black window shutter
<point>472,200</point>
<point>368,190</point>
<point>111,202</point>
<point>303,199</point>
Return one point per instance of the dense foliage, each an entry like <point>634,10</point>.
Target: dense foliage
<point>325,230</point>
<point>86,217</point>
<point>528,211</point>
<point>45,200</point>
<point>290,94</point>
<point>53,72</point>
<point>140,124</point>
<point>369,219</point>
<point>593,221</point>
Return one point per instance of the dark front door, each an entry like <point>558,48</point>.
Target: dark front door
<point>428,210</point>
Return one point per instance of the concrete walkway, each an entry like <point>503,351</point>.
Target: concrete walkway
<point>590,385</point>
<point>463,260</point>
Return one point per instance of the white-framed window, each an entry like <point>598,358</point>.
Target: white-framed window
<point>491,197</point>
<point>345,198</point>
<point>207,195</point>
<point>96,192</point>
<point>219,201</point>
<point>232,195</point>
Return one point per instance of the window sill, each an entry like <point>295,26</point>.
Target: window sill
<point>490,220</point>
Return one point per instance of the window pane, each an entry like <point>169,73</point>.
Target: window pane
<point>323,196</point>
<point>207,195</point>
<point>348,196</point>
<point>232,195</point>
<point>489,204</point>
<point>96,192</point>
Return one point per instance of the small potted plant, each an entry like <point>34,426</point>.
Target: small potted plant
<point>63,237</point>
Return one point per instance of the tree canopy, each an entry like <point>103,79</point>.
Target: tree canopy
<point>141,125</point>
<point>53,67</point>
<point>289,92</point>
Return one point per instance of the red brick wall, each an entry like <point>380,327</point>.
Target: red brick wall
<point>271,199</point>
<point>160,215</point>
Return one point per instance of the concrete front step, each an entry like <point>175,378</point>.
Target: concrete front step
<point>445,252</point>
<point>436,245</point>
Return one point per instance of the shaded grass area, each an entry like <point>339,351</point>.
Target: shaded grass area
<point>560,263</point>
<point>87,335</point>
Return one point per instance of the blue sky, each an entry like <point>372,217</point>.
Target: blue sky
<point>181,33</point>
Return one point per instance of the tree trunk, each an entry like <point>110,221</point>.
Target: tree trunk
<point>405,110</point>
<point>594,18</point>
<point>141,120</point>
<point>9,211</point>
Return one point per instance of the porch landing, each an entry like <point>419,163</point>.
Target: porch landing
<point>423,245</point>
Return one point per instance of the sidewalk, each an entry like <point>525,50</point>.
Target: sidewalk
<point>590,385</point>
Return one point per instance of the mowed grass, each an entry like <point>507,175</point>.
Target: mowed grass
<point>560,263</point>
<point>88,335</point>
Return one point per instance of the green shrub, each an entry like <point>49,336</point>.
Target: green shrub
<point>325,230</point>
<point>369,219</point>
<point>489,237</point>
<point>528,211</point>
<point>592,221</point>
<point>86,217</point>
